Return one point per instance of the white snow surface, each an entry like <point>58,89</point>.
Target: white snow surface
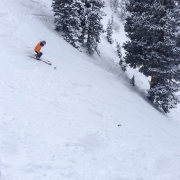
<point>63,124</point>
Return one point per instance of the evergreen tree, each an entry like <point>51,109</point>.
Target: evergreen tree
<point>61,13</point>
<point>121,61</point>
<point>68,18</point>
<point>132,81</point>
<point>73,30</point>
<point>80,22</point>
<point>109,32</point>
<point>94,26</point>
<point>152,29</point>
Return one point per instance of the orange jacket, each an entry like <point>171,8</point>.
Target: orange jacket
<point>38,47</point>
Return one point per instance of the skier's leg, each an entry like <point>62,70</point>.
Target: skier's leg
<point>40,54</point>
<point>37,54</point>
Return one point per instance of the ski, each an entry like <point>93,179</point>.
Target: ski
<point>47,62</point>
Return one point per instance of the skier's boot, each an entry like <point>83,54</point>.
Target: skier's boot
<point>37,57</point>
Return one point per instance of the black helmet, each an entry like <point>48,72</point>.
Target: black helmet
<point>43,42</point>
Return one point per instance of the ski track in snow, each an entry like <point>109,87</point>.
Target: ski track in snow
<point>62,124</point>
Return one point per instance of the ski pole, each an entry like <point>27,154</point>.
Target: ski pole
<point>30,47</point>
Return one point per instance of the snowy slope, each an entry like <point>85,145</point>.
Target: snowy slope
<point>63,124</point>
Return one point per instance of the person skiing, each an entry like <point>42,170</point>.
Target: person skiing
<point>37,49</point>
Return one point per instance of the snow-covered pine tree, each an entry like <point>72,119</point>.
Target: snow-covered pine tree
<point>60,13</point>
<point>119,53</point>
<point>73,31</point>
<point>152,29</point>
<point>68,18</point>
<point>94,26</point>
<point>109,31</point>
<point>132,81</point>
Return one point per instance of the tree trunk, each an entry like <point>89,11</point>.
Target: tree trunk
<point>154,80</point>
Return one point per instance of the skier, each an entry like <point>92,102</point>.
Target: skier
<point>37,49</point>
